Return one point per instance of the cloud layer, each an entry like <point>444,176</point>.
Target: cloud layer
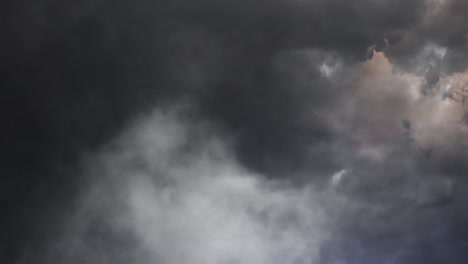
<point>331,131</point>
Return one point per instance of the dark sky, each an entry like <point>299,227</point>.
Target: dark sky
<point>221,131</point>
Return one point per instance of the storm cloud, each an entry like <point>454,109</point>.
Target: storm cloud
<point>283,131</point>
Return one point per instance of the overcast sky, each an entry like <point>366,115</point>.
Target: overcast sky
<point>234,132</point>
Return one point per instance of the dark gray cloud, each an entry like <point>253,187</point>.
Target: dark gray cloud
<point>295,86</point>
<point>438,45</point>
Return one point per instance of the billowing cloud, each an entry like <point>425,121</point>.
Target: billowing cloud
<point>175,190</point>
<point>437,46</point>
<point>348,117</point>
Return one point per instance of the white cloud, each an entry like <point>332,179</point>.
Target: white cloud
<point>186,200</point>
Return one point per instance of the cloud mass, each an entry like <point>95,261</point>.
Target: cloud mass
<point>283,131</point>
